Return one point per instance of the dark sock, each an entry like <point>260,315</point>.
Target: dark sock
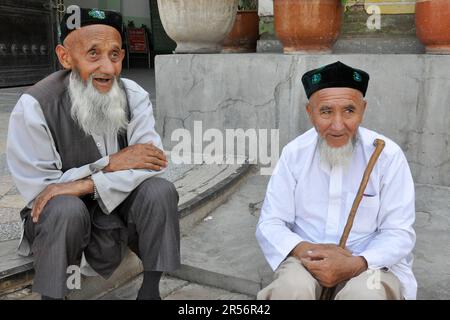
<point>50,298</point>
<point>150,286</point>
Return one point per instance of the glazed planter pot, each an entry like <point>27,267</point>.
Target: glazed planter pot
<point>433,25</point>
<point>308,26</point>
<point>197,26</point>
<point>244,34</point>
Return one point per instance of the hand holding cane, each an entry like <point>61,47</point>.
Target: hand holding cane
<point>379,144</point>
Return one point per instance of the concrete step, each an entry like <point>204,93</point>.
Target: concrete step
<point>202,188</point>
<point>222,250</point>
<point>175,289</point>
<point>170,289</point>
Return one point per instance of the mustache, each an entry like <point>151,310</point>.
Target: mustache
<point>92,76</point>
<point>102,76</point>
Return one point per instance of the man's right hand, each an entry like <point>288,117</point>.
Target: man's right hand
<point>138,156</point>
<point>301,250</point>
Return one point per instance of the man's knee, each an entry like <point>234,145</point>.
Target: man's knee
<point>371,285</point>
<point>292,282</point>
<point>158,189</point>
<point>284,289</point>
<point>68,210</point>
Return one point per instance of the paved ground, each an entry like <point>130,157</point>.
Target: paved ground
<point>10,201</point>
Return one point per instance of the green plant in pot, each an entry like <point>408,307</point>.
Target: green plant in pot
<point>248,5</point>
<point>349,3</point>
<point>244,35</point>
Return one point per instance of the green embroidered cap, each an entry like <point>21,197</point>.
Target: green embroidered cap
<point>335,75</point>
<point>89,17</point>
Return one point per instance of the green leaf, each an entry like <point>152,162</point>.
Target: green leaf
<point>246,5</point>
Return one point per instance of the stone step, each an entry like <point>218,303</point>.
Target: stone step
<point>202,188</point>
<point>170,289</point>
<point>222,250</point>
<point>175,289</point>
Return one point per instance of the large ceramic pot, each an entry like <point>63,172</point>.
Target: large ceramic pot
<point>245,33</point>
<point>433,25</point>
<point>197,26</point>
<point>308,26</point>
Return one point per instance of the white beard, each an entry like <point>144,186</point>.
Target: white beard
<point>336,156</point>
<point>95,112</point>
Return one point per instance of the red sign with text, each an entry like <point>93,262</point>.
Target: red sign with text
<point>137,41</point>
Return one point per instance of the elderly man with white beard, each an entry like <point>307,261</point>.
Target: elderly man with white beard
<point>83,152</point>
<point>312,190</point>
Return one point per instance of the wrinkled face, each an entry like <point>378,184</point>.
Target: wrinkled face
<point>336,113</point>
<point>94,51</point>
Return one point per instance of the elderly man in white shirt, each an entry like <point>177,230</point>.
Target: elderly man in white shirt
<point>311,192</point>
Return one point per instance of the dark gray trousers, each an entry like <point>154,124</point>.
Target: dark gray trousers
<point>147,222</point>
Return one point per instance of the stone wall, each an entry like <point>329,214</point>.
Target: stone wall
<point>408,99</point>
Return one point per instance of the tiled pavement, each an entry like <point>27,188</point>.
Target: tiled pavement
<point>10,201</point>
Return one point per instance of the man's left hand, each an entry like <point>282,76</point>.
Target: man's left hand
<point>76,188</point>
<point>331,267</point>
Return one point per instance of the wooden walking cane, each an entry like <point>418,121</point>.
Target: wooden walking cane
<point>379,144</point>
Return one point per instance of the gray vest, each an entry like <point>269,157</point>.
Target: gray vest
<point>75,148</point>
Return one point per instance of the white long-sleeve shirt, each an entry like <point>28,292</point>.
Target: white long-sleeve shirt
<point>306,200</point>
<point>34,162</point>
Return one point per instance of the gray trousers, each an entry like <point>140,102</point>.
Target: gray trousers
<point>147,222</point>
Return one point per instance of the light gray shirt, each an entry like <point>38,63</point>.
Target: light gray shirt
<point>35,163</point>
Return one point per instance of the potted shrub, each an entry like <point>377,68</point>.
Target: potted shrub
<point>433,25</point>
<point>308,26</point>
<point>197,26</point>
<point>245,31</point>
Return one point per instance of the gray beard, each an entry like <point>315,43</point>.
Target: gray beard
<point>336,157</point>
<point>95,112</point>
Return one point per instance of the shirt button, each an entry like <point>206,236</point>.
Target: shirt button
<point>99,144</point>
